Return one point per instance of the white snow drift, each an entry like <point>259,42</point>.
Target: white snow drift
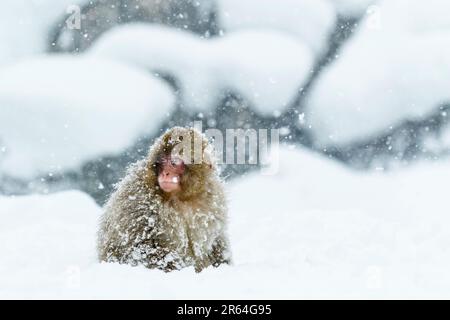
<point>265,67</point>
<point>396,67</point>
<point>46,240</point>
<point>313,230</point>
<point>59,111</point>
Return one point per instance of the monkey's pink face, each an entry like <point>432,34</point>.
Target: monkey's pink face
<point>170,174</point>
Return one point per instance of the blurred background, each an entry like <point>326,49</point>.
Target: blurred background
<point>359,90</point>
<point>85,86</point>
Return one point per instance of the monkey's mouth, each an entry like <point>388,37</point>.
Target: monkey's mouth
<point>169,185</point>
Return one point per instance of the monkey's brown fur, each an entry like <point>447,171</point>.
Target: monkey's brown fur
<point>143,225</point>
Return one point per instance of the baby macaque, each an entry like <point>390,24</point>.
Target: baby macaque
<point>169,212</point>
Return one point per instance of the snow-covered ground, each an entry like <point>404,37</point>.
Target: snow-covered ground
<point>314,229</point>
<point>57,112</point>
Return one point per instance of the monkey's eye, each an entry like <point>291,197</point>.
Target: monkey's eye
<point>176,162</point>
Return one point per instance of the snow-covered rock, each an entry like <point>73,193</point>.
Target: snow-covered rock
<point>312,230</point>
<point>59,111</point>
<point>267,68</point>
<point>396,67</point>
<point>310,21</point>
<point>25,26</point>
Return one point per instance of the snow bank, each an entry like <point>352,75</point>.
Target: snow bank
<point>44,241</point>
<point>265,67</point>
<point>59,111</point>
<point>396,67</point>
<point>25,26</point>
<point>310,21</point>
<point>313,230</point>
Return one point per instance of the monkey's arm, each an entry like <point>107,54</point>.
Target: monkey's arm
<point>220,253</point>
<point>157,256</point>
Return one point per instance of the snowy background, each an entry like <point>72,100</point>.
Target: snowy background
<point>357,207</point>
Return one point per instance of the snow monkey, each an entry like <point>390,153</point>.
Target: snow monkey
<point>169,212</point>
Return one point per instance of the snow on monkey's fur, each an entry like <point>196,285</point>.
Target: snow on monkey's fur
<point>144,225</point>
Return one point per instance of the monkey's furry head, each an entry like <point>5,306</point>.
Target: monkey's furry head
<point>193,148</point>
